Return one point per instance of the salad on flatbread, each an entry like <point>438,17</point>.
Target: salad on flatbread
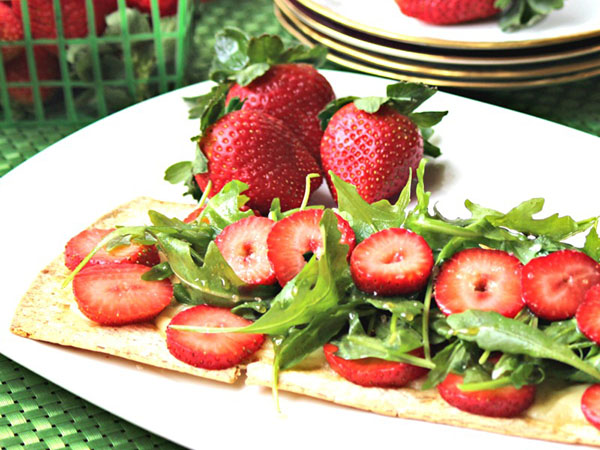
<point>384,304</point>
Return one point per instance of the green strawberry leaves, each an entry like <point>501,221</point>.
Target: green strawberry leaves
<point>243,59</point>
<point>524,13</point>
<point>404,97</point>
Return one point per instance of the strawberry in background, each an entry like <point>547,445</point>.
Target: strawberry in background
<point>74,17</point>
<point>282,82</point>
<point>512,14</point>
<point>17,71</point>
<point>166,7</point>
<point>10,30</point>
<point>445,12</point>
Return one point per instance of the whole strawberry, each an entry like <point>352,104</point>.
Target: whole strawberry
<point>10,30</point>
<point>248,146</point>
<point>445,12</point>
<point>74,17</point>
<point>17,71</point>
<point>275,80</point>
<point>374,142</point>
<point>513,14</point>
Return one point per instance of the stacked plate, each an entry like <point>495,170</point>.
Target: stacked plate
<point>375,37</point>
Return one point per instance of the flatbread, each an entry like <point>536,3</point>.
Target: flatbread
<point>413,403</point>
<point>47,312</point>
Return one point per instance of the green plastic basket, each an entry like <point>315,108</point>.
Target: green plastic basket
<point>138,56</point>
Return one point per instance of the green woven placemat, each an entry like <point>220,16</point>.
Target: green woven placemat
<point>38,414</point>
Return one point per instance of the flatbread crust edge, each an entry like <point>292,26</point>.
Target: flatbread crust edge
<point>411,403</point>
<point>47,312</point>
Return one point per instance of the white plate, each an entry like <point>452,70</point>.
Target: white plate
<point>491,155</point>
<point>576,20</point>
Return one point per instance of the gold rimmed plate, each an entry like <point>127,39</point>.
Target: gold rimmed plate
<point>445,71</point>
<point>358,62</point>
<point>575,21</point>
<point>440,55</point>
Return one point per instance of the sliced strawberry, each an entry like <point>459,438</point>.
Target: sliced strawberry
<point>82,244</point>
<point>211,351</point>
<point>588,314</point>
<point>194,215</point>
<point>475,278</point>
<point>115,294</point>
<point>555,285</point>
<point>244,246</point>
<point>298,236</point>
<point>373,372</point>
<point>506,401</point>
<point>391,262</point>
<point>590,405</point>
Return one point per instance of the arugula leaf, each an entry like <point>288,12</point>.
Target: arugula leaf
<point>316,289</point>
<point>364,218</point>
<point>224,208</point>
<point>406,340</point>
<point>520,218</point>
<point>453,358</point>
<point>494,332</point>
<point>592,244</point>
<point>214,282</point>
<point>300,342</point>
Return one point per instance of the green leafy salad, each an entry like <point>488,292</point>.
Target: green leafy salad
<point>322,303</point>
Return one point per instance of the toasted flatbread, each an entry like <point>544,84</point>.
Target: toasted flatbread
<point>48,312</point>
<point>413,403</point>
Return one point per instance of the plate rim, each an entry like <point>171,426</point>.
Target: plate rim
<point>349,23</point>
<point>413,67</point>
<point>423,56</point>
<point>385,72</point>
<point>127,415</point>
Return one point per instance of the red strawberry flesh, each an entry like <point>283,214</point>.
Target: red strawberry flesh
<point>211,351</point>
<point>11,29</point>
<point>47,69</point>
<point>373,372</point>
<point>588,314</point>
<point>81,245</point>
<point>393,261</point>
<point>244,247</point>
<point>297,235</point>
<point>555,285</point>
<point>115,294</point>
<point>506,401</point>
<point>475,278</point>
<point>590,405</point>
